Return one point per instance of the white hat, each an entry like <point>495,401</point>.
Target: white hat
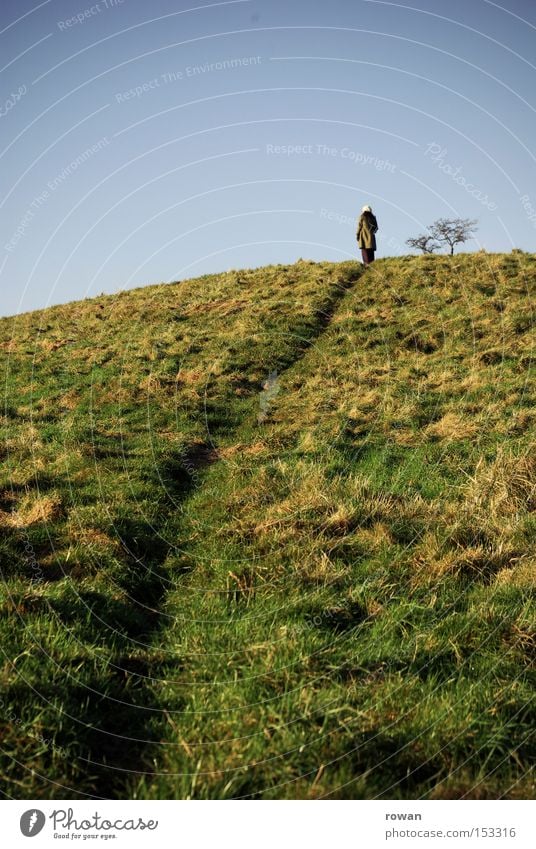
<point>366,209</point>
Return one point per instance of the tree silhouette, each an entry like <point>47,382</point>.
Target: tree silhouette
<point>445,232</point>
<point>453,231</point>
<point>424,243</point>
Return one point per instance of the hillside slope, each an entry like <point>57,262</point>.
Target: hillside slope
<point>271,534</point>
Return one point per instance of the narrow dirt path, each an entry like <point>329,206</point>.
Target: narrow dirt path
<point>202,460</point>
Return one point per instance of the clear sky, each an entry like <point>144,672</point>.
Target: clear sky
<point>153,141</point>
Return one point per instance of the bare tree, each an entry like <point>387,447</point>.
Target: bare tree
<point>453,231</point>
<point>424,243</point>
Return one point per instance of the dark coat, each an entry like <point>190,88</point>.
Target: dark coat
<point>366,228</point>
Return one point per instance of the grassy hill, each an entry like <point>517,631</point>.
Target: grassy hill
<point>270,534</point>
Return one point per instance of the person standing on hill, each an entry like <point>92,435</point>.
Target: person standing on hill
<point>367,227</point>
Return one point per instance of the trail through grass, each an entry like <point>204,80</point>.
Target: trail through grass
<point>106,420</point>
<point>271,534</point>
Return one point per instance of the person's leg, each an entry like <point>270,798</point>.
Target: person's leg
<point>371,255</point>
<point>364,256</point>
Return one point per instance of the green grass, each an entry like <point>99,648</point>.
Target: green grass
<point>270,534</point>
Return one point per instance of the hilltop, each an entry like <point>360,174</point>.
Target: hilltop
<point>270,534</point>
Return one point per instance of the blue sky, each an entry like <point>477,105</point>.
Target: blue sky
<point>147,142</point>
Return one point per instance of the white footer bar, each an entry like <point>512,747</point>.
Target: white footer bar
<point>270,824</point>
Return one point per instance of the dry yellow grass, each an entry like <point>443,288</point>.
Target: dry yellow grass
<point>522,574</point>
<point>31,510</point>
<point>452,426</point>
<point>501,488</point>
